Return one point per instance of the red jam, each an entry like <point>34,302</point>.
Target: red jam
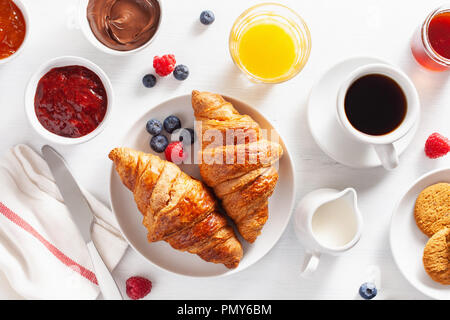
<point>12,28</point>
<point>437,31</point>
<point>439,34</point>
<point>70,101</point>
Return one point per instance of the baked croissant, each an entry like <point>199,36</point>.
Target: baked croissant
<point>240,166</point>
<point>177,208</point>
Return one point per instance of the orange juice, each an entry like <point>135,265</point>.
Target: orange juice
<point>267,50</point>
<point>270,43</point>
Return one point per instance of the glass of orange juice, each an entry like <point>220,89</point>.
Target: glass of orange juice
<point>270,43</point>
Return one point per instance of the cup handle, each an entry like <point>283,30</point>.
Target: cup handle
<point>388,155</point>
<point>310,265</point>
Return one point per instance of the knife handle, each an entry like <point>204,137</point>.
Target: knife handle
<point>106,282</point>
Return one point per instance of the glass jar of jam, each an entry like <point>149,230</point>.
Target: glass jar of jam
<point>430,44</point>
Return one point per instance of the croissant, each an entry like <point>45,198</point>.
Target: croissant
<point>177,208</point>
<point>238,163</point>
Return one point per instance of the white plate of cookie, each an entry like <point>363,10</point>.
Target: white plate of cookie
<point>163,253</point>
<point>420,234</point>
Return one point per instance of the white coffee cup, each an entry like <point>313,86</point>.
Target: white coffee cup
<point>383,144</point>
<point>317,207</point>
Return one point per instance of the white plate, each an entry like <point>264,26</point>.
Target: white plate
<point>408,242</point>
<point>162,254</point>
<point>327,131</point>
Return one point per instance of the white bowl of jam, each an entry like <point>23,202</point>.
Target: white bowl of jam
<point>16,26</point>
<point>69,100</point>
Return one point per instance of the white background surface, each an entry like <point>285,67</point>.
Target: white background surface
<point>339,29</point>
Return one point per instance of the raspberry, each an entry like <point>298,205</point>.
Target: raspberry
<point>436,146</point>
<point>175,152</point>
<point>164,65</point>
<point>138,287</point>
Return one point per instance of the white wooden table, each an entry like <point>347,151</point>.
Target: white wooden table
<point>340,29</point>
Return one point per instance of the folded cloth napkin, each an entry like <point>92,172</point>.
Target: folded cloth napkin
<point>42,255</point>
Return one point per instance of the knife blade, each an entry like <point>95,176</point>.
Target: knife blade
<point>82,216</point>
<point>81,213</point>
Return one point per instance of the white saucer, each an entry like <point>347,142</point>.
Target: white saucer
<point>324,125</point>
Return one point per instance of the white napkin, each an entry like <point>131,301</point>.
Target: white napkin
<point>42,255</point>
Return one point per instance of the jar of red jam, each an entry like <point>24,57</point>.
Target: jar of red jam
<point>430,44</point>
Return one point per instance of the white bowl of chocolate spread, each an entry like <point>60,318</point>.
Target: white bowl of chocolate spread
<point>120,27</point>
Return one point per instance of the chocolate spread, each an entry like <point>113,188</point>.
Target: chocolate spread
<point>123,24</point>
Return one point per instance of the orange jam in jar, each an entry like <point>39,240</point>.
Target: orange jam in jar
<point>431,43</point>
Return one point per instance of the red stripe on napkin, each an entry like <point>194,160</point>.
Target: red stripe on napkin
<point>88,274</point>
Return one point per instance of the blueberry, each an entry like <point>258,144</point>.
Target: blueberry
<point>187,135</point>
<point>207,17</point>
<point>172,123</point>
<point>181,72</point>
<point>159,143</point>
<point>154,127</point>
<point>149,80</point>
<point>368,290</point>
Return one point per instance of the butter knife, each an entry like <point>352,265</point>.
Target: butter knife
<point>83,217</point>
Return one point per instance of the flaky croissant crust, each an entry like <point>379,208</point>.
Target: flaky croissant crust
<point>244,187</point>
<point>177,208</point>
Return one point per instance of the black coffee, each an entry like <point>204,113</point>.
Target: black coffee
<point>375,104</point>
